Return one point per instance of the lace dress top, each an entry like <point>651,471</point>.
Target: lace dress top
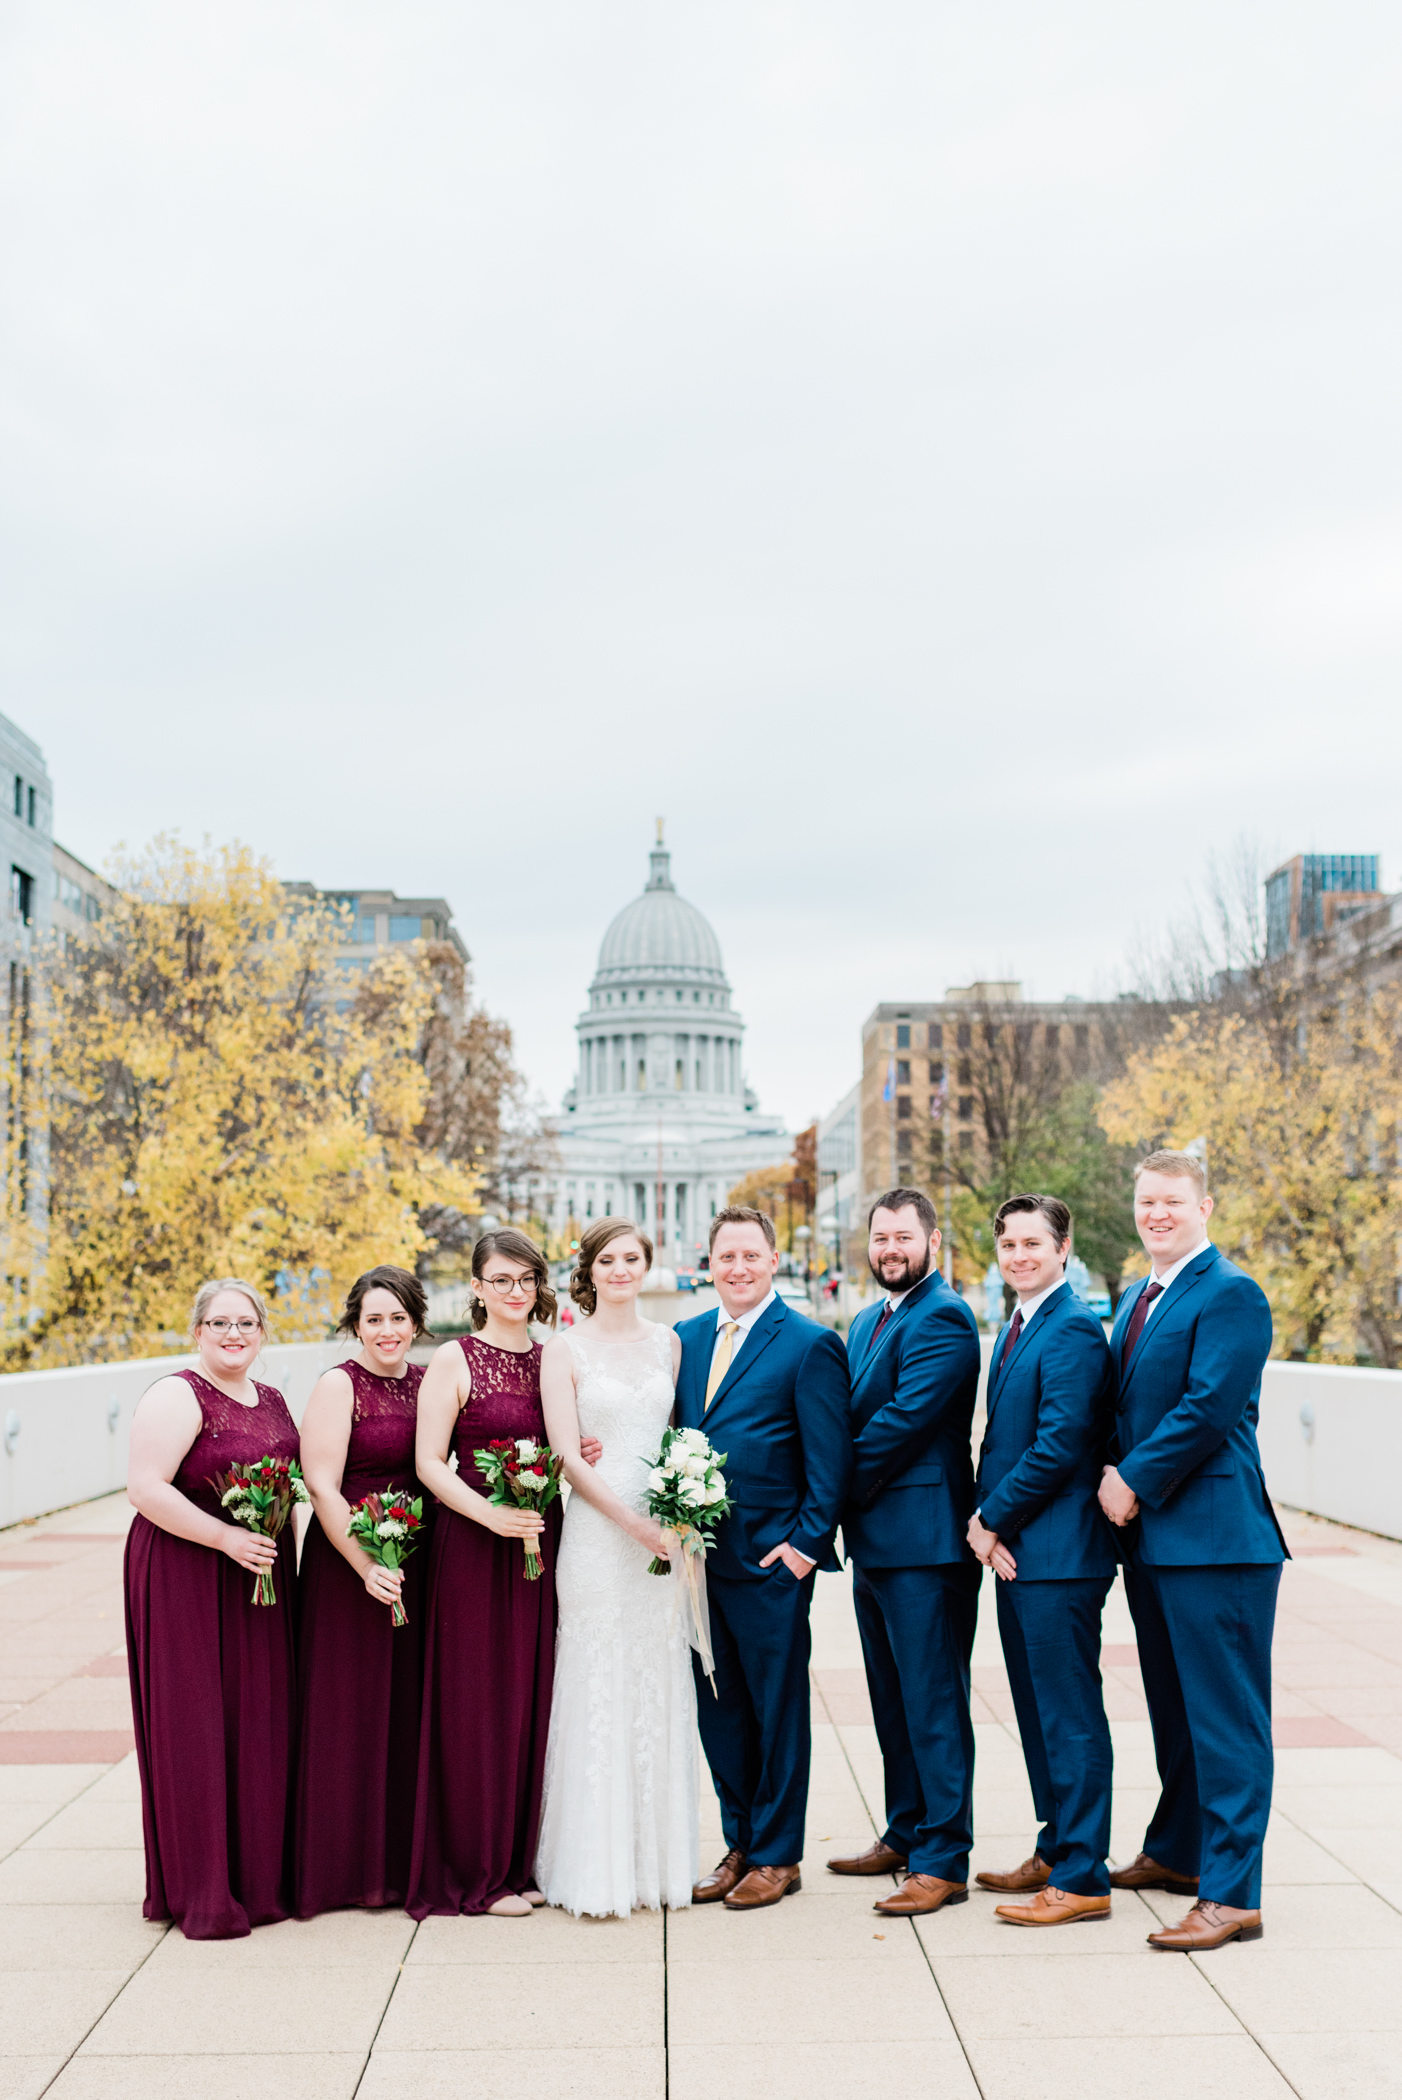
<point>505,1401</point>
<point>231,1434</point>
<point>384,1417</point>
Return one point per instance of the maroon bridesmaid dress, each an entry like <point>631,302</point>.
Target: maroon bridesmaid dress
<point>360,1680</point>
<point>212,1678</point>
<point>488,1671</point>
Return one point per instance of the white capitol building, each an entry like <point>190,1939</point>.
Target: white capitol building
<point>659,1124</point>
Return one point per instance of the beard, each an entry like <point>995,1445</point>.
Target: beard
<point>902,1271</point>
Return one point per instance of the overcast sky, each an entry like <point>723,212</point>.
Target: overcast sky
<point>944,458</point>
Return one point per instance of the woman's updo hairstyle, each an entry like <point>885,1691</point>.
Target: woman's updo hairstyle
<point>597,1236</point>
<point>208,1292</point>
<point>399,1283</point>
<point>515,1246</point>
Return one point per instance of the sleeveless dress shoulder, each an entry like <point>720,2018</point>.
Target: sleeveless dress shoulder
<point>359,1680</point>
<point>619,1824</point>
<point>212,1686</point>
<point>490,1639</point>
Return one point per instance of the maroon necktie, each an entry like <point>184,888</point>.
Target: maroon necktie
<point>1137,1319</point>
<point>1011,1343</point>
<point>885,1316</point>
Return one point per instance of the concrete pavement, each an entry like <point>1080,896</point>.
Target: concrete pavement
<point>818,1997</point>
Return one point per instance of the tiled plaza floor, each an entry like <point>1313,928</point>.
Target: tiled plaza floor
<point>818,2000</point>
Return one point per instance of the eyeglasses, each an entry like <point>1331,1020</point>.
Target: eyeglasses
<point>245,1327</point>
<point>503,1285</point>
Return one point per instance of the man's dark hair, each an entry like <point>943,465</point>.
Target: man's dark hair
<point>1058,1217</point>
<point>907,1199</point>
<point>742,1214</point>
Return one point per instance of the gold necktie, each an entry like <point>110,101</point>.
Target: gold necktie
<point>720,1363</point>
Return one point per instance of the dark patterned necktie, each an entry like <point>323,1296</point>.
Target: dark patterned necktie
<point>1011,1343</point>
<point>1137,1319</point>
<point>876,1330</point>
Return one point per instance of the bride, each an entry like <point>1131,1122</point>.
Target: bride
<point>618,1827</point>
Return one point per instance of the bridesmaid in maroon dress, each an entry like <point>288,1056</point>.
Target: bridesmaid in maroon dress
<point>491,1633</point>
<point>211,1671</point>
<point>359,1677</point>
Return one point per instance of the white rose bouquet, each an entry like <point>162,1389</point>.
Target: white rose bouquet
<point>686,1491</point>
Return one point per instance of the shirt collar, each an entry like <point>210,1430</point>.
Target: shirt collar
<point>1168,1275</point>
<point>1035,1304</point>
<point>745,1321</point>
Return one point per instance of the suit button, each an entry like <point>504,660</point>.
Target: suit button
<point>1119,1407</point>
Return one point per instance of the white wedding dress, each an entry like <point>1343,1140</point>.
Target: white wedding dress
<point>618,1827</point>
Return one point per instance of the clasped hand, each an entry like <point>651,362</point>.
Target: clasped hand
<point>989,1548</point>
<point>383,1584</point>
<point>250,1549</point>
<point>1117,1498</point>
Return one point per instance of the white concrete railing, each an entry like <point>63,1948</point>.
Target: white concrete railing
<point>64,1434</point>
<point>1331,1443</point>
<point>1331,1438</point>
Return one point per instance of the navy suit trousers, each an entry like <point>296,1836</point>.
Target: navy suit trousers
<point>1205,1657</point>
<point>1051,1644</point>
<point>917,1628</point>
<point>755,1728</point>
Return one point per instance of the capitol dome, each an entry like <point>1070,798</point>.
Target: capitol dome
<point>659,937</point>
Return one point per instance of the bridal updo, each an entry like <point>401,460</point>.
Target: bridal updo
<point>596,1237</point>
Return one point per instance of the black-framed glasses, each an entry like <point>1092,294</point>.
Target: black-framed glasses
<point>245,1327</point>
<point>504,1285</point>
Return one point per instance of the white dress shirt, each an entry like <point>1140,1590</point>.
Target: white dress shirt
<point>744,1321</point>
<point>1169,1276</point>
<point>1028,1306</point>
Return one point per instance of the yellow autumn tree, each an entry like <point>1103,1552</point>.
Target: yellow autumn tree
<point>215,1106</point>
<point>1302,1123</point>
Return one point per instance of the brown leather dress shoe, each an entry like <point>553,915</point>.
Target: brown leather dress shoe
<point>877,1859</point>
<point>1055,1907</point>
<point>763,1886</point>
<point>1034,1873</point>
<point>1146,1873</point>
<point>919,1893</point>
<point>711,1888</point>
<point>1208,1925</point>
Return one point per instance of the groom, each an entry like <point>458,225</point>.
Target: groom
<point>770,1390</point>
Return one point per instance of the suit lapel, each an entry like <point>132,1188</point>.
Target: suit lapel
<point>1178,1290</point>
<point>926,1286</point>
<point>1028,1345</point>
<point>754,1346</point>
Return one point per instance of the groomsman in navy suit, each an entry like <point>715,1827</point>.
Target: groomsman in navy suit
<point>915,1363</point>
<point>769,1388</point>
<point>1039,1527</point>
<point>1205,1554</point>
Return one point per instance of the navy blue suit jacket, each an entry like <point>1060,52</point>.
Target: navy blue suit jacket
<point>913,1394</point>
<point>1049,1412</point>
<point>780,1417</point>
<point>1186,1416</point>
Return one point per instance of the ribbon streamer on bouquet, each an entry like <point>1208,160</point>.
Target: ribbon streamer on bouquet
<point>689,1595</point>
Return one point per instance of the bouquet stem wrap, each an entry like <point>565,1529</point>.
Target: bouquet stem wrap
<point>689,1596</point>
<point>687,1497</point>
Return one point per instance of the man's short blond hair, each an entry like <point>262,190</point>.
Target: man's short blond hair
<point>1176,1163</point>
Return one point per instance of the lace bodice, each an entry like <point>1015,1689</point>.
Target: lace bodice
<point>504,1401</point>
<point>384,1418</point>
<point>624,1395</point>
<point>231,1434</point>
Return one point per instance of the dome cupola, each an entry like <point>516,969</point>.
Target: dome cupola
<point>659,939</point>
